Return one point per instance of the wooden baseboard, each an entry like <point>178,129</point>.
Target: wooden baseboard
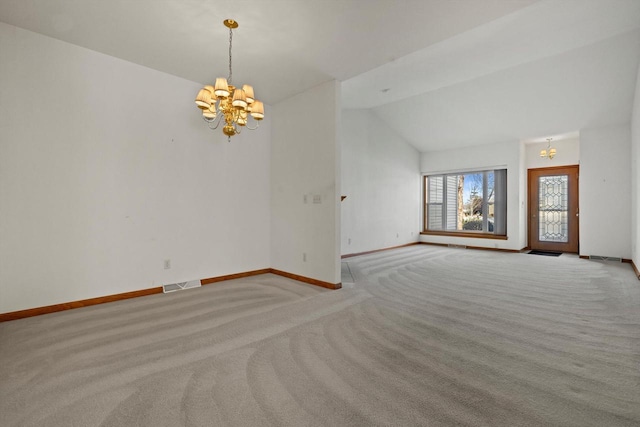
<point>473,235</point>
<point>633,265</point>
<point>234,276</point>
<point>513,251</point>
<point>626,261</point>
<point>379,250</point>
<point>444,245</point>
<point>304,279</point>
<point>482,248</point>
<point>30,312</point>
<point>297,277</point>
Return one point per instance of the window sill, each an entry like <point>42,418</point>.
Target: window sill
<point>464,234</point>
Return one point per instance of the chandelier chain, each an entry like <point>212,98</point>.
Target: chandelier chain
<point>230,42</point>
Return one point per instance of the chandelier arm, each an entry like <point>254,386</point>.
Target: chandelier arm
<point>250,128</point>
<point>216,122</point>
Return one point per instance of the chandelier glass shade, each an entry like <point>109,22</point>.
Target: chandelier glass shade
<point>549,152</point>
<point>225,103</point>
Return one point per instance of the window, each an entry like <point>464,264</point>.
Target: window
<point>466,203</point>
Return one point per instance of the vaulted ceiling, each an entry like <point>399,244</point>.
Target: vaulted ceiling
<point>442,73</point>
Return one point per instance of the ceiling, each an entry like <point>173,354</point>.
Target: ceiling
<point>442,73</point>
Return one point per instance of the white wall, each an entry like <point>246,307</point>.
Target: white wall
<point>490,156</point>
<point>381,179</point>
<point>635,176</point>
<point>106,170</point>
<point>605,191</point>
<point>523,235</point>
<point>305,162</point>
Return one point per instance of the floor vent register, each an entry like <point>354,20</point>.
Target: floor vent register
<point>173,287</point>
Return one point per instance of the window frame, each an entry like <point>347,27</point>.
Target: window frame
<point>463,233</point>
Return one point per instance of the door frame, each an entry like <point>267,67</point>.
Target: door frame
<point>574,197</point>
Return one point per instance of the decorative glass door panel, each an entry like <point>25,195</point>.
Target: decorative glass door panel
<point>553,209</point>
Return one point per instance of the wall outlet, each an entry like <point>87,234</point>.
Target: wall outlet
<point>349,241</point>
<point>304,257</point>
<point>167,264</point>
<point>397,235</point>
<point>317,199</point>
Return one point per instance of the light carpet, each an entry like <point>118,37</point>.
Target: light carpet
<point>424,336</point>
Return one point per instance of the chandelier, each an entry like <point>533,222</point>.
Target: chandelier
<point>225,100</point>
<point>549,152</point>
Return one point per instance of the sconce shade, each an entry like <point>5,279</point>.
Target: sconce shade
<point>209,113</point>
<point>222,88</point>
<point>242,118</point>
<point>239,99</point>
<point>257,110</point>
<point>248,92</point>
<point>203,100</point>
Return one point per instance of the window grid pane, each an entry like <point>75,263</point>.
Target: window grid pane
<point>452,203</point>
<point>435,202</point>
<point>466,202</point>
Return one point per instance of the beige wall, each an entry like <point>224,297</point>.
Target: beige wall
<point>107,169</point>
<point>305,183</point>
<point>605,191</point>
<point>381,179</point>
<point>635,177</point>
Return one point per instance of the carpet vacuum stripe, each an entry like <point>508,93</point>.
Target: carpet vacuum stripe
<point>425,335</point>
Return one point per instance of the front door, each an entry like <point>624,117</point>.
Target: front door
<point>553,209</point>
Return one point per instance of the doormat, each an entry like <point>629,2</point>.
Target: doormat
<point>545,253</point>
